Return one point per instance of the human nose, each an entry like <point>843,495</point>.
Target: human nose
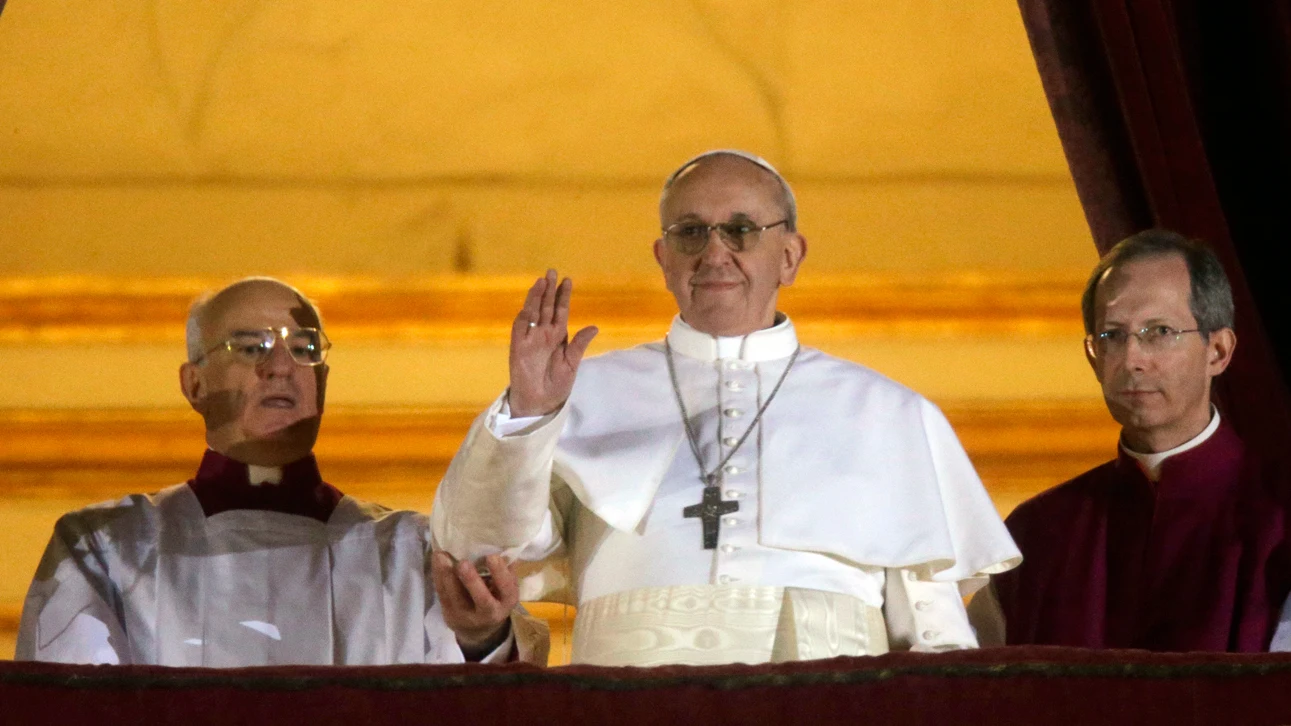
<point>1137,354</point>
<point>716,251</point>
<point>279,362</point>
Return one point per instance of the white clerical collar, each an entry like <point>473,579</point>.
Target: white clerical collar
<point>773,343</point>
<point>264,474</point>
<point>1151,463</point>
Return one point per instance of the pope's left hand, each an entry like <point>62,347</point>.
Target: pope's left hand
<point>477,611</point>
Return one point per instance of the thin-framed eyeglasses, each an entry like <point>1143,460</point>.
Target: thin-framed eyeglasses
<point>1152,339</point>
<point>690,238</point>
<point>307,346</point>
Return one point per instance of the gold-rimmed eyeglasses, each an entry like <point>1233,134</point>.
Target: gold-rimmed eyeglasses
<point>307,346</point>
<point>1152,339</point>
<point>690,238</point>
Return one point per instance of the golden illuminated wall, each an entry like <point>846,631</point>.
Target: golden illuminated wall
<point>187,137</point>
<point>412,164</point>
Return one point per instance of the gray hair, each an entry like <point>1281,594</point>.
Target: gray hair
<point>1210,298</point>
<point>787,199</point>
<point>193,342</point>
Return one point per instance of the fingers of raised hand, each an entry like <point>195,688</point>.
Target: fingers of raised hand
<point>547,303</point>
<point>563,293</point>
<point>529,313</point>
<point>546,313</point>
<point>578,345</point>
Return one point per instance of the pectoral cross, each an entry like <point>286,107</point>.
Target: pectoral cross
<point>710,511</point>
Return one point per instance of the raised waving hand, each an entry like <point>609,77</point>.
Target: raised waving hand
<point>544,359</point>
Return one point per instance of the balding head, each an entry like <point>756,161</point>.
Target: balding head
<point>263,411</point>
<point>212,304</point>
<point>788,203</point>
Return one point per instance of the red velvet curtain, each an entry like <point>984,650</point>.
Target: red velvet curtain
<point>1176,115</point>
<point>1022,686</point>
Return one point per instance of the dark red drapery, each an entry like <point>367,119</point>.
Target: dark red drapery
<point>1000,686</point>
<point>1176,115</point>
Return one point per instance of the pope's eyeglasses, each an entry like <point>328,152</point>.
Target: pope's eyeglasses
<point>690,238</point>
<point>307,346</point>
<point>1152,339</point>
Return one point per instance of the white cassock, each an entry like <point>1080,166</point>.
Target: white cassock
<point>151,580</point>
<point>861,523</point>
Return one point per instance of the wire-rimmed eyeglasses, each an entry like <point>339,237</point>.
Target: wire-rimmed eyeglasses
<point>690,238</point>
<point>1152,339</point>
<point>307,346</point>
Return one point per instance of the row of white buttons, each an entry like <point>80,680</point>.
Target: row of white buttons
<point>732,469</point>
<point>922,606</point>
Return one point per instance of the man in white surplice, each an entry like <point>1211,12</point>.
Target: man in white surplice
<point>724,495</point>
<point>257,560</point>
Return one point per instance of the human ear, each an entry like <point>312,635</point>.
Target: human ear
<point>1093,362</point>
<point>795,249</point>
<point>659,251</point>
<point>1219,350</point>
<point>192,385</point>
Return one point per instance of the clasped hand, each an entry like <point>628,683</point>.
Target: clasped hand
<point>477,610</point>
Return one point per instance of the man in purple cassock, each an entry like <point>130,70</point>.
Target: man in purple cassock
<point>1178,543</point>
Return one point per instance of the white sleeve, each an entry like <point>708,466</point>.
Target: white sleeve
<point>495,496</point>
<point>68,616</point>
<point>504,425</point>
<point>924,616</point>
<point>1282,635</point>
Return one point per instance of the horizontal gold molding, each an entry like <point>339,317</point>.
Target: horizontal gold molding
<point>10,615</point>
<point>95,455</point>
<point>93,309</point>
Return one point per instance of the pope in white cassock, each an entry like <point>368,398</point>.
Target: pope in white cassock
<point>724,495</point>
<point>256,560</point>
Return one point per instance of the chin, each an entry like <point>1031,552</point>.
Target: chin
<point>713,317</point>
<point>1142,419</point>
